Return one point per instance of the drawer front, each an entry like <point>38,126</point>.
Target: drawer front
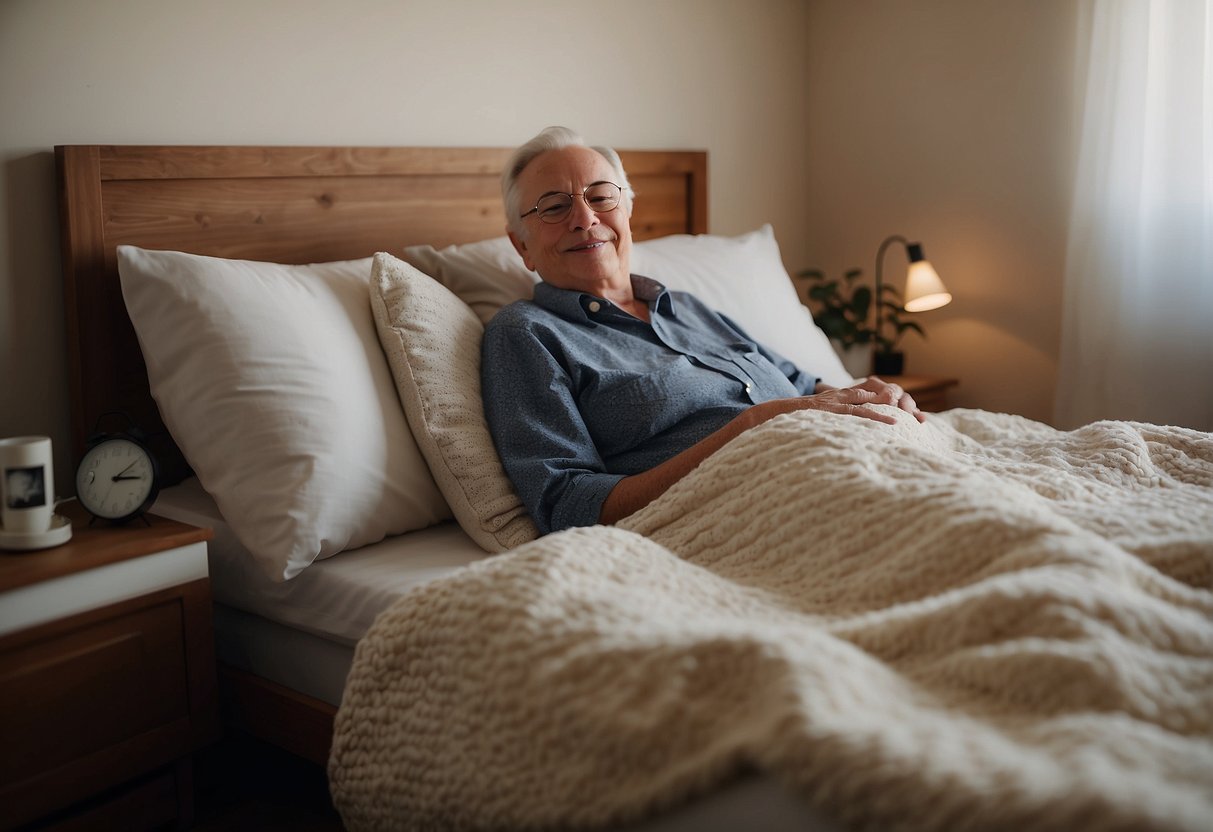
<point>86,689</point>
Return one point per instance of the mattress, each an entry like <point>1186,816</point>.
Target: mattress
<point>301,633</point>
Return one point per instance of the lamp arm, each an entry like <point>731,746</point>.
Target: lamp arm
<point>895,238</point>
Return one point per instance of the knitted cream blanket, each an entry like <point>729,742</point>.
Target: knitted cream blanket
<point>977,623</point>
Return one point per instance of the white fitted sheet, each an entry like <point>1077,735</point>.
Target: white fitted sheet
<point>301,633</point>
<point>336,598</point>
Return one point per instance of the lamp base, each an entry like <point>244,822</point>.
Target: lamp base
<point>888,363</point>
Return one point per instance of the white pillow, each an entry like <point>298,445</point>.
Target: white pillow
<point>742,277</point>
<point>271,379</point>
<point>432,342</point>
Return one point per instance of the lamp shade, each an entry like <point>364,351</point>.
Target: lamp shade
<point>924,289</point>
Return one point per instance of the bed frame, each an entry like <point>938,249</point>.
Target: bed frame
<point>285,205</point>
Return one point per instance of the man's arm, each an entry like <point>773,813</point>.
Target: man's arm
<point>540,436</point>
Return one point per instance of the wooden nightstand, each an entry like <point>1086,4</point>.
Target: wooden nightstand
<point>107,675</point>
<point>930,392</point>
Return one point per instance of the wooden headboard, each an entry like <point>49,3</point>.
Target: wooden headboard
<point>285,205</point>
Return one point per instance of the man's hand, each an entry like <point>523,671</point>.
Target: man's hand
<point>885,393</point>
<point>857,400</point>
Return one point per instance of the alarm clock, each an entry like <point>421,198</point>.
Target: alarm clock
<point>117,478</point>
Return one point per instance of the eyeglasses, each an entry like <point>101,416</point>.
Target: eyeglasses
<point>600,197</point>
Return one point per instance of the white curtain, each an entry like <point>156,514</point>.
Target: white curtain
<point>1137,324</point>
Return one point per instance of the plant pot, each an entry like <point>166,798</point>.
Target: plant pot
<point>889,363</point>
<point>856,358</point>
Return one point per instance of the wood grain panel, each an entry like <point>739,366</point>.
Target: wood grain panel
<point>226,162</point>
<point>82,241</point>
<point>301,220</point>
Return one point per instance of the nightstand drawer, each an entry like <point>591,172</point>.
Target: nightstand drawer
<point>107,676</point>
<point>105,700</point>
<point>74,693</point>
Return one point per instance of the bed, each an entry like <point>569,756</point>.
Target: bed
<point>976,623</point>
<point>324,204</point>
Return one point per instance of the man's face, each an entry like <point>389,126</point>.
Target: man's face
<point>584,251</point>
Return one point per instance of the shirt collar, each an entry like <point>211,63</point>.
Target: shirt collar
<point>574,305</point>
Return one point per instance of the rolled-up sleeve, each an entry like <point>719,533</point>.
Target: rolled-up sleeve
<point>537,428</point>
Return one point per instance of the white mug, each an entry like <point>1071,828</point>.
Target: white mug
<point>27,484</point>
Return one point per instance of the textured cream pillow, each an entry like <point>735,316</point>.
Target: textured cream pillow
<point>485,275</point>
<point>742,277</point>
<point>271,379</point>
<point>432,342</point>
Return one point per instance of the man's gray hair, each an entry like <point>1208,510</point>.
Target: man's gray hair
<point>552,138</point>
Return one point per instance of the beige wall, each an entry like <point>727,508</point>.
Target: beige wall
<point>949,122</point>
<point>839,121</point>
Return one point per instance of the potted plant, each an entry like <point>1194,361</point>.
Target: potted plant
<point>841,309</point>
<point>888,360</point>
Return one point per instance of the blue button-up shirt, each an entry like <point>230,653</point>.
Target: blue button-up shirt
<point>579,394</point>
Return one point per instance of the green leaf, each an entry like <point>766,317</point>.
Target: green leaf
<point>823,293</point>
<point>861,302</point>
<point>832,327</point>
<point>841,309</point>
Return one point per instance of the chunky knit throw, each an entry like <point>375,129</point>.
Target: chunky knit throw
<point>977,623</point>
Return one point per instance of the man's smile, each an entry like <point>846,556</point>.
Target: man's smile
<point>588,245</point>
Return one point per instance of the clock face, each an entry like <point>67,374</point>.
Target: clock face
<point>116,479</point>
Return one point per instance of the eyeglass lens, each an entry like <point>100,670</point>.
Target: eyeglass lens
<point>601,198</point>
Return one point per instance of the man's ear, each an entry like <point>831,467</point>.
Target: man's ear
<point>520,247</point>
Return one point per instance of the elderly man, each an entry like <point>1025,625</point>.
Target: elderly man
<point>607,388</point>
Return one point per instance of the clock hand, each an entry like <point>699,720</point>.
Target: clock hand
<point>127,468</point>
<point>118,477</point>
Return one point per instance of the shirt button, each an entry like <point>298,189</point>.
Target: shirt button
<point>747,388</point>
<point>595,306</point>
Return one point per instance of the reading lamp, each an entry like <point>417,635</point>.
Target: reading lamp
<point>924,289</point>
